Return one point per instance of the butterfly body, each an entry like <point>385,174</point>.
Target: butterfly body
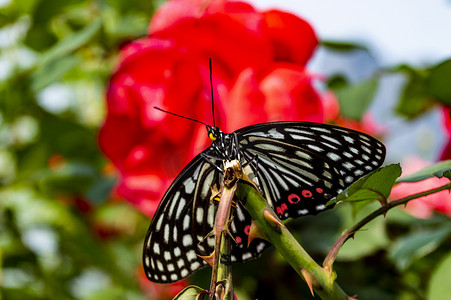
<point>299,167</point>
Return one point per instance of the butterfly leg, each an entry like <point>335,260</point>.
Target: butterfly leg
<point>254,165</point>
<point>207,159</point>
<point>237,147</point>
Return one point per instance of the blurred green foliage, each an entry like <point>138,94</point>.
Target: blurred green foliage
<point>62,236</point>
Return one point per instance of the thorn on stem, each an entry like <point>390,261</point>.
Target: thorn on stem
<point>255,232</point>
<point>310,279</point>
<point>272,220</point>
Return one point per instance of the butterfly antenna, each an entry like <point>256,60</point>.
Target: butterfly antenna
<point>212,99</point>
<point>183,117</point>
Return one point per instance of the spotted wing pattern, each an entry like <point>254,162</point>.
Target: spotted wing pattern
<point>184,218</point>
<point>300,167</point>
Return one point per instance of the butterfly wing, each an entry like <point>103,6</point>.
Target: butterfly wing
<point>184,218</point>
<point>301,166</point>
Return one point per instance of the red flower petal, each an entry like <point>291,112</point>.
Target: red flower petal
<point>293,38</point>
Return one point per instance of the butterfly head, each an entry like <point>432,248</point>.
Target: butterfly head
<point>213,133</point>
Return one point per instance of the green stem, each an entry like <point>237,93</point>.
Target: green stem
<point>385,208</point>
<point>225,267</point>
<point>322,279</point>
<point>328,261</point>
<point>222,269</point>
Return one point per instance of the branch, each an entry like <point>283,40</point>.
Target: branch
<point>321,280</point>
<point>328,261</point>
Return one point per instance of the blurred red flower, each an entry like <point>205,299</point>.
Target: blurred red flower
<point>156,291</point>
<point>446,153</point>
<point>423,207</point>
<point>259,75</point>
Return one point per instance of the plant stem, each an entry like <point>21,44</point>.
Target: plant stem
<point>330,258</point>
<point>322,280</point>
<point>222,266</point>
<point>385,208</point>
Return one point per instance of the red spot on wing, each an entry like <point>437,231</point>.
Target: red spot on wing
<point>293,198</point>
<point>246,229</point>
<point>307,193</point>
<point>280,210</point>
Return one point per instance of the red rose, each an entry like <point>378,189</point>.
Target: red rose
<point>446,153</point>
<point>259,75</point>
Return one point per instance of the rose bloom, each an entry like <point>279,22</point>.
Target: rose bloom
<point>259,75</point>
<point>446,153</point>
<point>423,207</point>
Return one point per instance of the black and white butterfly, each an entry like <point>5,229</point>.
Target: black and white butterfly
<point>299,167</point>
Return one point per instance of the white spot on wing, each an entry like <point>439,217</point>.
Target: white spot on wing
<point>316,148</point>
<point>180,263</point>
<point>186,222</point>
<point>174,203</point>
<point>320,129</point>
<point>247,256</point>
<point>301,138</point>
<point>348,165</point>
<point>303,155</point>
<point>160,265</point>
<point>298,131</point>
<point>191,255</point>
<point>348,139</point>
<point>211,215</point>
<point>275,134</point>
<point>180,207</point>
<point>166,234</point>
<point>187,240</point>
<point>189,185</point>
<point>200,215</point>
<point>333,156</point>
<point>330,139</point>
<point>270,147</point>
<point>320,207</point>
<point>358,172</point>
<point>159,223</point>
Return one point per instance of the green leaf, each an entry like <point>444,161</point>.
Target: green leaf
<point>437,84</point>
<point>101,189</point>
<point>417,245</point>
<point>53,71</point>
<point>414,100</point>
<point>374,186</point>
<point>436,170</point>
<point>72,178</point>
<point>355,99</point>
<point>439,282</point>
<point>71,43</point>
<point>343,46</point>
<point>189,293</point>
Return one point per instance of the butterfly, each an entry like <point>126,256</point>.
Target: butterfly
<point>299,167</point>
